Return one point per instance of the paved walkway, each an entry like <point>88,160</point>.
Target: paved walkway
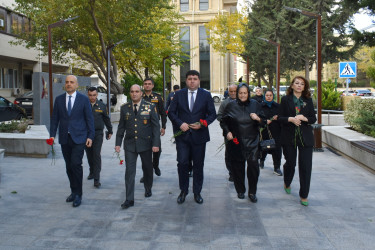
<point>341,214</point>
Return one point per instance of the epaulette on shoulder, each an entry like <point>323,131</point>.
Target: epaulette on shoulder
<point>156,93</point>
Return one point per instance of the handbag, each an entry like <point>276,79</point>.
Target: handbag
<point>269,144</point>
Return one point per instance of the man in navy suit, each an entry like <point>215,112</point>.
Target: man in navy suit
<point>189,106</point>
<point>73,115</point>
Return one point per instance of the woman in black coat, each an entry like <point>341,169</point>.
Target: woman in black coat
<point>296,114</point>
<point>240,124</point>
<point>270,110</point>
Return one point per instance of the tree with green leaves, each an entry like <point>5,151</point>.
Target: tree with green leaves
<point>370,72</point>
<point>147,28</point>
<point>296,35</point>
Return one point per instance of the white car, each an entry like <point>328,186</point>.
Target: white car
<point>217,97</point>
<point>102,95</point>
<point>282,90</point>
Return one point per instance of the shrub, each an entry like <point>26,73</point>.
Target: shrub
<point>14,126</point>
<point>360,115</point>
<point>330,98</point>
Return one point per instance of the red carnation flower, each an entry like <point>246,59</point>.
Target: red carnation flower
<point>235,141</point>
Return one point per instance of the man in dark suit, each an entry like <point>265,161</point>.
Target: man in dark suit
<point>72,114</point>
<point>139,120</point>
<point>188,107</point>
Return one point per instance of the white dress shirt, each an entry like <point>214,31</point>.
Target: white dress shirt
<point>189,95</point>
<point>71,100</point>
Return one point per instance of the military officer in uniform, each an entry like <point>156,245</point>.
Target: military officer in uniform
<point>157,100</point>
<point>101,118</point>
<point>140,124</point>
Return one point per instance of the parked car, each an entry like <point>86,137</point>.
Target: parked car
<point>10,111</point>
<point>350,93</point>
<point>217,97</point>
<point>282,90</point>
<point>363,92</point>
<point>102,95</point>
<point>26,102</point>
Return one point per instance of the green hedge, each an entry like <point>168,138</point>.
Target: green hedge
<point>360,114</point>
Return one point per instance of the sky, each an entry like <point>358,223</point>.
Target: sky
<point>360,20</point>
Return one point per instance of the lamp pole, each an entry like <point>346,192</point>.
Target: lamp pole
<point>109,51</point>
<point>49,31</point>
<point>247,66</point>
<point>318,18</point>
<point>277,66</point>
<point>164,80</point>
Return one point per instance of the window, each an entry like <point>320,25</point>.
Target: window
<point>3,20</point>
<point>184,5</point>
<point>26,25</point>
<point>185,66</point>
<point>204,58</point>
<point>203,4</point>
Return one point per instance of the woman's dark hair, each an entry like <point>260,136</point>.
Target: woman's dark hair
<point>240,86</point>
<point>306,91</point>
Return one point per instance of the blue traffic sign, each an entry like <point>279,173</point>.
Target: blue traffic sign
<point>348,69</point>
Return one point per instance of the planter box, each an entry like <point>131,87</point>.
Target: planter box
<point>340,138</point>
<point>30,144</point>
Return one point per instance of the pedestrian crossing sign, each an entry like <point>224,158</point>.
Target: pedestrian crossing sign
<point>348,69</point>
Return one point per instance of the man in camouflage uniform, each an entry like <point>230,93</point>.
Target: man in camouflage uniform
<point>157,100</point>
<point>101,118</point>
<point>140,124</point>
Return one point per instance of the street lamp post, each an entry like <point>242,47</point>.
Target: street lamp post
<point>247,67</point>
<point>49,30</point>
<point>164,80</point>
<point>318,18</point>
<point>109,51</point>
<point>277,66</point>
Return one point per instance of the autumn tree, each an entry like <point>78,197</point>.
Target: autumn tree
<point>147,28</point>
<point>225,32</point>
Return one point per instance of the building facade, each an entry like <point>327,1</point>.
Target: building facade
<point>216,70</point>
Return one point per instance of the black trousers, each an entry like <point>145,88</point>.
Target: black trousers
<point>238,172</point>
<point>276,156</point>
<point>94,155</point>
<point>155,158</point>
<point>73,154</point>
<point>186,150</point>
<point>228,163</point>
<point>304,167</point>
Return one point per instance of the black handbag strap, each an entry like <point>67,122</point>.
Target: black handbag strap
<point>269,133</point>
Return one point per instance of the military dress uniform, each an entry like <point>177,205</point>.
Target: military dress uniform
<point>101,118</point>
<point>142,132</point>
<point>158,101</point>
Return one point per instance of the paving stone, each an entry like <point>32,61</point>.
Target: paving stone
<point>340,214</point>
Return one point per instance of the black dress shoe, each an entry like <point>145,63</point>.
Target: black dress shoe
<point>148,193</point>
<point>241,196</point>
<point>230,178</point>
<point>97,184</point>
<point>70,198</point>
<point>198,198</point>
<point>141,180</point>
<point>127,204</point>
<point>157,171</point>
<point>181,197</point>
<point>90,177</point>
<point>77,201</point>
<point>253,198</point>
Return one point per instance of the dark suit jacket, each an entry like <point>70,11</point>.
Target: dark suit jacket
<point>80,123</point>
<point>287,109</point>
<point>142,131</point>
<point>204,108</point>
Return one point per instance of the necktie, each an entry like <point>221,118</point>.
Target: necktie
<point>191,101</point>
<point>135,109</point>
<point>70,105</point>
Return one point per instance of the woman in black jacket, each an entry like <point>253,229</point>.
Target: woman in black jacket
<point>296,114</point>
<point>270,110</point>
<point>240,124</point>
